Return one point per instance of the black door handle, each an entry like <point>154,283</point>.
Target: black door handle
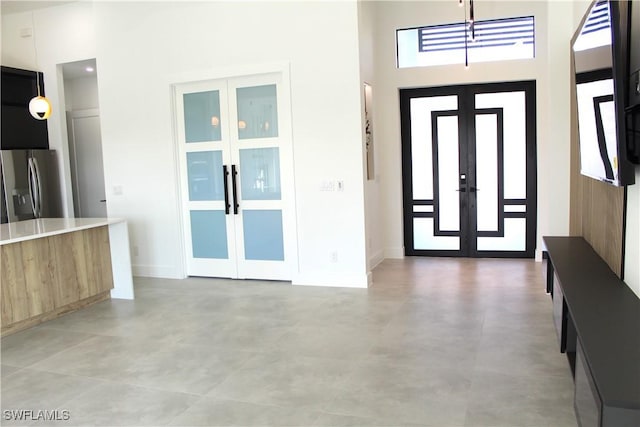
<point>462,190</point>
<point>236,205</point>
<point>225,178</point>
<point>474,189</point>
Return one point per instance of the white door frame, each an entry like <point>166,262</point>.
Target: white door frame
<point>287,155</point>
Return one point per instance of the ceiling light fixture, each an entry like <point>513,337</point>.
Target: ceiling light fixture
<point>39,106</point>
<point>89,69</point>
<point>469,27</point>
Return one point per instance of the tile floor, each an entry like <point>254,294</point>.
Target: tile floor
<point>434,342</point>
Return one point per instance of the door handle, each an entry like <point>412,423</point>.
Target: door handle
<point>474,189</point>
<point>462,190</point>
<point>234,174</point>
<point>225,178</point>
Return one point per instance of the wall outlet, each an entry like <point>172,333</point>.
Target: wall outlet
<point>340,185</point>
<point>117,190</point>
<point>333,256</point>
<point>327,186</point>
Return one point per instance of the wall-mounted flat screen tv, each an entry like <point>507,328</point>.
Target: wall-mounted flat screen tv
<point>601,68</point>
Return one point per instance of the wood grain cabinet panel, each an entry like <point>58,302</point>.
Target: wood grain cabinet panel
<point>46,275</point>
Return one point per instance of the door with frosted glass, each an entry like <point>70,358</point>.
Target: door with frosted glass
<point>235,151</point>
<point>469,170</point>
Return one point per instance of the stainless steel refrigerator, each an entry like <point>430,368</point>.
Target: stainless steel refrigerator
<point>30,185</point>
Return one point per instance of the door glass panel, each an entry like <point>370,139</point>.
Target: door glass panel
<point>263,238</point>
<point>260,174</point>
<point>209,234</point>
<point>204,171</point>
<point>257,112</point>
<point>202,116</point>
<point>421,145</point>
<point>515,138</point>
<point>423,237</point>
<point>448,200</point>
<point>515,234</point>
<point>487,171</point>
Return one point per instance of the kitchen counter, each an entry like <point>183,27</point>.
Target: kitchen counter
<point>52,266</point>
<point>36,228</point>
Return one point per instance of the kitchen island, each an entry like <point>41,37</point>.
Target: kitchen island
<point>52,266</point>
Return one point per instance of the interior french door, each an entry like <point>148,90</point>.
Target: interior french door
<point>236,177</point>
<point>469,170</point>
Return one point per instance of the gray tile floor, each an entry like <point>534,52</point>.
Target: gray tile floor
<point>434,342</point>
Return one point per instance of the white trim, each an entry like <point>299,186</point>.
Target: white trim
<point>332,280</point>
<point>394,252</point>
<point>157,271</point>
<point>376,259</point>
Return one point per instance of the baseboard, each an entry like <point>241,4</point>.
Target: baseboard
<point>159,271</point>
<point>336,280</point>
<point>394,252</point>
<point>376,259</point>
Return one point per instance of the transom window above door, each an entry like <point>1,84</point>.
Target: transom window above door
<point>491,40</point>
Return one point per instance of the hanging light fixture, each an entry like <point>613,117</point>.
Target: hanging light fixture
<point>469,26</point>
<point>39,106</point>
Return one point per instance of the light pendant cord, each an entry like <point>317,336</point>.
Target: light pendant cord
<point>466,51</point>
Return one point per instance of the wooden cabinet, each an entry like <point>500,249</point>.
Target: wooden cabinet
<point>47,276</point>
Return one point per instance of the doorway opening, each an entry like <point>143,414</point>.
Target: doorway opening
<point>469,170</point>
<point>85,141</point>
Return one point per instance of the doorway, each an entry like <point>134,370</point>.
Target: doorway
<point>85,139</point>
<point>469,170</point>
<point>236,172</point>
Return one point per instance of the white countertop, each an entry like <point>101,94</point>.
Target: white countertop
<point>36,228</point>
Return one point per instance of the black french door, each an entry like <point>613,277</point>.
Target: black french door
<point>469,170</point>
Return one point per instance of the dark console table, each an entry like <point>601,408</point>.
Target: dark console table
<point>597,318</point>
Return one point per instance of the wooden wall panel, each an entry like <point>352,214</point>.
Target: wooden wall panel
<point>596,208</point>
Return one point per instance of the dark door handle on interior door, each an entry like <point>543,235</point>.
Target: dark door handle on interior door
<point>234,189</point>
<point>225,183</point>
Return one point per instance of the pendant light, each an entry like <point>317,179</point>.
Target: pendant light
<point>469,27</point>
<point>39,106</point>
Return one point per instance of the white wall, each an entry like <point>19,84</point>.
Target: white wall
<point>372,190</point>
<point>141,47</point>
<point>549,69</point>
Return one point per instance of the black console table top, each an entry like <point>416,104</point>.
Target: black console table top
<point>606,315</point>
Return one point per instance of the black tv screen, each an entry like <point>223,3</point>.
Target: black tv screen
<point>601,69</point>
<point>19,130</point>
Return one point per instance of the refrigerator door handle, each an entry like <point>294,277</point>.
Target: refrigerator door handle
<point>38,181</point>
<point>32,186</point>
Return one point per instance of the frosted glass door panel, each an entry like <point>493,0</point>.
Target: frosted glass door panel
<point>260,174</point>
<point>487,171</point>
<point>263,235</point>
<point>515,237</point>
<point>421,144</point>
<point>209,234</point>
<point>257,112</point>
<point>513,106</point>
<point>424,238</point>
<point>204,172</point>
<point>448,174</point>
<point>202,116</point>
